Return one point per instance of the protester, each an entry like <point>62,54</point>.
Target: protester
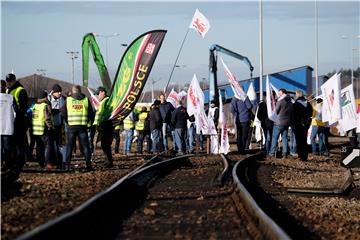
<point>116,135</point>
<point>41,126</point>
<point>156,124</point>
<point>284,111</point>
<point>266,124</point>
<point>318,129</point>
<point>140,128</point>
<point>15,89</point>
<point>77,113</point>
<point>104,126</point>
<point>302,120</point>
<point>241,110</point>
<point>129,126</point>
<point>57,101</point>
<point>166,108</point>
<point>191,134</point>
<point>179,120</point>
<point>8,150</point>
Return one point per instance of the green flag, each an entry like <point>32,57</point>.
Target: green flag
<point>132,73</point>
<point>89,42</point>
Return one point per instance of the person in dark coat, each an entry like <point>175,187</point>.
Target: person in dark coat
<point>156,124</point>
<point>266,124</point>
<point>284,111</point>
<point>166,108</point>
<point>179,120</point>
<point>302,121</point>
<point>242,113</point>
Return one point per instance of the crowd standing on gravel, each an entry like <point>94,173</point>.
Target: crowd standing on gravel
<point>54,122</point>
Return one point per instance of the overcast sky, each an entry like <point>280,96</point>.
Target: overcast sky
<point>36,35</point>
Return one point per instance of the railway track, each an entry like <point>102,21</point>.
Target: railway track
<point>182,197</point>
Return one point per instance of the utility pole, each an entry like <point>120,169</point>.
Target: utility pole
<point>73,56</point>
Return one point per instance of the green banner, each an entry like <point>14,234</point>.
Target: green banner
<point>89,42</point>
<point>132,73</point>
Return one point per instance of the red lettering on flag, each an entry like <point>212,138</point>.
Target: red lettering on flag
<point>199,25</point>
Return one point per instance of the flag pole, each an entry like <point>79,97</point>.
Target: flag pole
<point>182,44</point>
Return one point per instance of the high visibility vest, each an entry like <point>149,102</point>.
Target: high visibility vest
<point>77,111</point>
<point>38,119</point>
<point>15,92</point>
<point>99,116</point>
<point>117,127</point>
<point>128,123</point>
<point>140,125</point>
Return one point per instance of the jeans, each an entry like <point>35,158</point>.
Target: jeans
<point>293,147</point>
<point>8,151</point>
<point>155,138</point>
<point>191,139</point>
<point>268,133</point>
<point>164,135</point>
<point>200,139</point>
<point>321,133</point>
<point>242,132</point>
<point>277,130</point>
<point>72,134</point>
<point>116,136</point>
<point>180,136</point>
<point>41,141</point>
<point>173,138</point>
<point>129,133</point>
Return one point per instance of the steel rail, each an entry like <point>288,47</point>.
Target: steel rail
<point>269,228</point>
<point>90,219</point>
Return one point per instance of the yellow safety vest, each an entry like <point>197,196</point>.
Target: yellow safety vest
<point>99,116</point>
<point>314,121</point>
<point>140,125</point>
<point>38,119</point>
<point>128,123</point>
<point>15,92</point>
<point>77,111</point>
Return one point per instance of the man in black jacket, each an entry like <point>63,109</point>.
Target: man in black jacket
<point>179,120</point>
<point>166,108</point>
<point>302,121</point>
<point>155,127</point>
<point>266,124</point>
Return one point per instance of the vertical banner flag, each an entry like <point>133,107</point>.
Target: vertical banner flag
<point>94,99</point>
<point>238,91</point>
<point>270,101</point>
<point>331,92</point>
<point>347,102</point>
<point>200,23</point>
<point>89,42</point>
<point>132,73</point>
<point>224,140</point>
<point>173,98</point>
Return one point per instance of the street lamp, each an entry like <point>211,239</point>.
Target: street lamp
<point>73,56</point>
<point>352,50</point>
<point>106,43</point>
<point>41,71</point>
<point>152,88</point>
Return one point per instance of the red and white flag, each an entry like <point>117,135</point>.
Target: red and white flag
<point>270,101</point>
<point>200,23</point>
<point>173,98</point>
<point>94,99</point>
<point>237,89</point>
<point>195,105</point>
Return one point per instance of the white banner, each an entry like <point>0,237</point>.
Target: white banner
<point>270,101</point>
<point>348,111</point>
<point>237,89</point>
<point>94,99</point>
<point>259,132</point>
<point>224,141</point>
<point>251,93</point>
<point>200,23</point>
<point>331,92</point>
<point>195,106</point>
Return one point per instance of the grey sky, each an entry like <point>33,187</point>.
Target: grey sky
<point>37,35</point>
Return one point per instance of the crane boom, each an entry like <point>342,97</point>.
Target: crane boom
<point>213,89</point>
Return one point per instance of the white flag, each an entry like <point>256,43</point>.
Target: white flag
<point>173,98</point>
<point>251,93</point>
<point>182,95</point>
<point>331,92</point>
<point>224,141</point>
<point>200,23</point>
<point>238,91</point>
<point>270,101</point>
<point>259,132</point>
<point>214,144</point>
<point>195,105</point>
<point>94,99</point>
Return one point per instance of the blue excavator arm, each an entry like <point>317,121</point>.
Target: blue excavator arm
<point>213,88</point>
